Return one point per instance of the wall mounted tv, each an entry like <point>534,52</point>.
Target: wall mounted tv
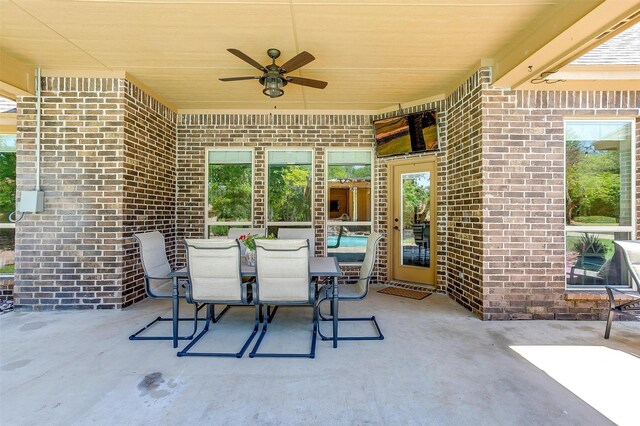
<point>406,134</point>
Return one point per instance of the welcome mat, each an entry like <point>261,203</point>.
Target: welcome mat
<point>403,292</point>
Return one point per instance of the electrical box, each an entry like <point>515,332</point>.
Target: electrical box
<point>31,201</point>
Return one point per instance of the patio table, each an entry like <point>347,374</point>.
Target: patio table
<point>318,267</point>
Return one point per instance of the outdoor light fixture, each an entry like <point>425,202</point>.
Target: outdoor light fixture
<point>273,86</point>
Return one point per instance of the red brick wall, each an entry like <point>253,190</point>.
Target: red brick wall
<point>149,182</point>
<point>69,256</point>
<point>108,170</point>
<point>113,159</point>
<point>464,237</point>
<point>523,200</point>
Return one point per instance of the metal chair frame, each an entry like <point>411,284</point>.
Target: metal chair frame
<point>266,319</point>
<point>147,286</point>
<point>631,256</point>
<point>326,291</point>
<point>211,317</point>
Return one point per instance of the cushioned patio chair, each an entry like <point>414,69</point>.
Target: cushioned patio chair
<point>357,291</point>
<point>299,234</point>
<point>631,302</point>
<point>282,278</point>
<point>215,278</point>
<point>157,282</point>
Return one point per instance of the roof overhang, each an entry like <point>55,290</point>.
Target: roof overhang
<point>538,56</point>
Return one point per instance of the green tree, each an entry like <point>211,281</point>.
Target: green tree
<point>593,181</point>
<point>349,172</point>
<point>290,193</point>
<point>230,191</point>
<point>415,195</point>
<point>7,184</point>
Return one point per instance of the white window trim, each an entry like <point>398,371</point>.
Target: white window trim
<point>600,229</point>
<point>266,188</point>
<point>208,222</point>
<point>325,201</point>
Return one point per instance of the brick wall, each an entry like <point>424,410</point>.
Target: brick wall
<point>523,199</point>
<point>107,169</point>
<point>149,182</point>
<point>464,188</point>
<point>111,167</point>
<point>69,257</point>
<point>198,132</point>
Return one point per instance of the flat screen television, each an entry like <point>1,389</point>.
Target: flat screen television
<point>406,134</point>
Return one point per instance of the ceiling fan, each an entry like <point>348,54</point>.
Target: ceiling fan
<point>273,78</point>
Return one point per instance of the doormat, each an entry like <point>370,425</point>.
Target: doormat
<point>403,292</point>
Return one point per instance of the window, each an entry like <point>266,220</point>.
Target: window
<point>289,183</point>
<point>7,202</point>
<point>229,190</point>
<point>599,194</point>
<point>349,204</point>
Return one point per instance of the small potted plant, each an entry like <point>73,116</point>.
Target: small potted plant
<point>249,241</point>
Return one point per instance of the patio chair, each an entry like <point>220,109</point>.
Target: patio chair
<point>157,283</point>
<point>299,233</point>
<point>631,302</point>
<point>421,236</point>
<point>357,291</point>
<point>215,278</point>
<point>282,278</point>
<point>235,233</point>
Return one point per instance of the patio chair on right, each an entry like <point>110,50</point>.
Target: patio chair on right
<point>631,303</point>
<point>215,279</point>
<point>357,291</point>
<point>282,278</point>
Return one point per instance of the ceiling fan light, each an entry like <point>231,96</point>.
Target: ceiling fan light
<point>273,87</point>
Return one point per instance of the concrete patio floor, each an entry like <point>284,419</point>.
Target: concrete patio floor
<point>437,365</point>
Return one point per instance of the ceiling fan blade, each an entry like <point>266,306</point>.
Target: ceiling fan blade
<point>247,59</point>
<point>301,59</point>
<point>307,82</point>
<point>238,78</point>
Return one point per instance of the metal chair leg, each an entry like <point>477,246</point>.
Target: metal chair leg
<point>212,318</point>
<point>135,336</point>
<point>379,335</point>
<point>607,330</point>
<point>265,321</point>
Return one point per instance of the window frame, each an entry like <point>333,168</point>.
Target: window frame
<point>207,221</point>
<point>275,224</point>
<point>329,222</point>
<point>631,229</point>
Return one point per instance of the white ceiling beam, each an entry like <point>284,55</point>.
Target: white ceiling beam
<point>543,52</point>
<point>16,78</point>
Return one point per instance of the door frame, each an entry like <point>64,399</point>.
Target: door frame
<point>432,161</point>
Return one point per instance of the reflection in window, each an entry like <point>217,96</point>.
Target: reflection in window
<point>289,183</point>
<point>348,204</point>
<point>229,194</point>
<point>599,200</point>
<point>7,201</point>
